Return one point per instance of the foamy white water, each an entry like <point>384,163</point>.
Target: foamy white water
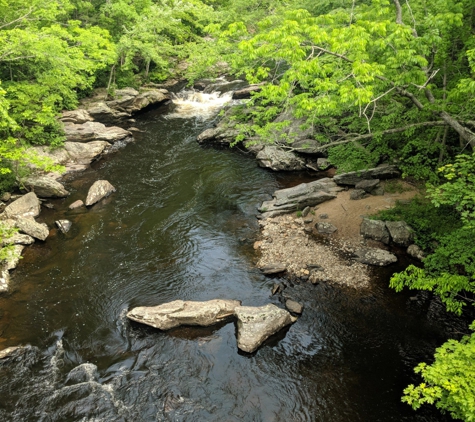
<point>198,104</point>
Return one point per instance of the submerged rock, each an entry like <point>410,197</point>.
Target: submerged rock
<point>46,187</point>
<point>76,204</point>
<point>10,351</point>
<point>374,256</point>
<point>179,312</point>
<point>99,190</point>
<point>26,206</point>
<point>257,324</point>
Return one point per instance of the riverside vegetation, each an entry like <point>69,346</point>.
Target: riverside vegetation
<point>375,80</point>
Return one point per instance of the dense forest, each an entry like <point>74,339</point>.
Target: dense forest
<point>377,80</point>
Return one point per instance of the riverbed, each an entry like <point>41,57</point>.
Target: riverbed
<point>182,225</point>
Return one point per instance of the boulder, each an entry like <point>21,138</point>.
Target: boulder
<point>368,185</point>
<point>4,281</point>
<point>374,229</point>
<point>32,228</point>
<point>18,239</point>
<point>297,198</point>
<point>78,116</point>
<point>94,131</point>
<point>278,159</point>
<point>354,177</point>
<point>257,324</point>
<point>179,312</point>
<point>45,187</point>
<point>325,228</point>
<point>357,194</point>
<point>99,190</point>
<point>76,204</point>
<point>323,164</point>
<point>401,233</point>
<point>416,252</point>
<point>9,351</point>
<point>246,92</point>
<point>273,269</point>
<point>26,206</point>
<point>220,136</point>
<point>84,153</point>
<point>307,146</point>
<point>294,306</point>
<point>64,225</point>
<point>374,256</point>
<point>14,258</point>
<point>102,112</point>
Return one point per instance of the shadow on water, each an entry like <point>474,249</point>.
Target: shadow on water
<point>181,226</point>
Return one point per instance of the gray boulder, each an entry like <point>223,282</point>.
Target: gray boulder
<point>368,185</point>
<point>374,229</point>
<point>294,306</point>
<point>26,206</point>
<point>297,198</point>
<point>278,159</point>
<point>78,116</point>
<point>273,269</point>
<point>179,312</point>
<point>46,187</point>
<point>306,146</point>
<point>323,164</point>
<point>246,92</point>
<point>18,239</point>
<point>357,194</point>
<point>94,131</point>
<point>416,252</point>
<point>354,177</point>
<point>219,136</point>
<point>373,256</point>
<point>325,228</point>
<point>257,324</point>
<point>4,281</point>
<point>102,112</point>
<point>84,153</point>
<point>76,204</point>
<point>401,233</point>
<point>64,225</point>
<point>99,190</point>
<point>12,261</point>
<point>32,228</point>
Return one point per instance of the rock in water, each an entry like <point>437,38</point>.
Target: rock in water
<point>64,225</point>
<point>76,204</point>
<point>46,187</point>
<point>32,228</point>
<point>4,280</point>
<point>26,206</point>
<point>99,190</point>
<point>374,256</point>
<point>257,324</point>
<point>179,312</point>
<point>294,306</point>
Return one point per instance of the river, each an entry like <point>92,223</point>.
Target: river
<point>181,226</point>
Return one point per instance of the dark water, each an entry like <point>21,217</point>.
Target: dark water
<point>181,226</point>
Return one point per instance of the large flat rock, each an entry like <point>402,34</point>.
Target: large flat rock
<point>355,177</point>
<point>374,256</point>
<point>46,187</point>
<point>32,228</point>
<point>179,312</point>
<point>257,324</point>
<point>301,196</point>
<point>94,131</point>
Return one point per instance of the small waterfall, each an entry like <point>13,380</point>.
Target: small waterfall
<point>188,104</point>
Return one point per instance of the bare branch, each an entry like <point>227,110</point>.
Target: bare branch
<point>398,12</point>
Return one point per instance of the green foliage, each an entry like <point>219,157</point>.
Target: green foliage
<point>430,224</point>
<point>7,251</point>
<point>449,382</point>
<point>459,190</point>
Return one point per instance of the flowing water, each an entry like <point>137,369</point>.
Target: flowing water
<point>181,226</point>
